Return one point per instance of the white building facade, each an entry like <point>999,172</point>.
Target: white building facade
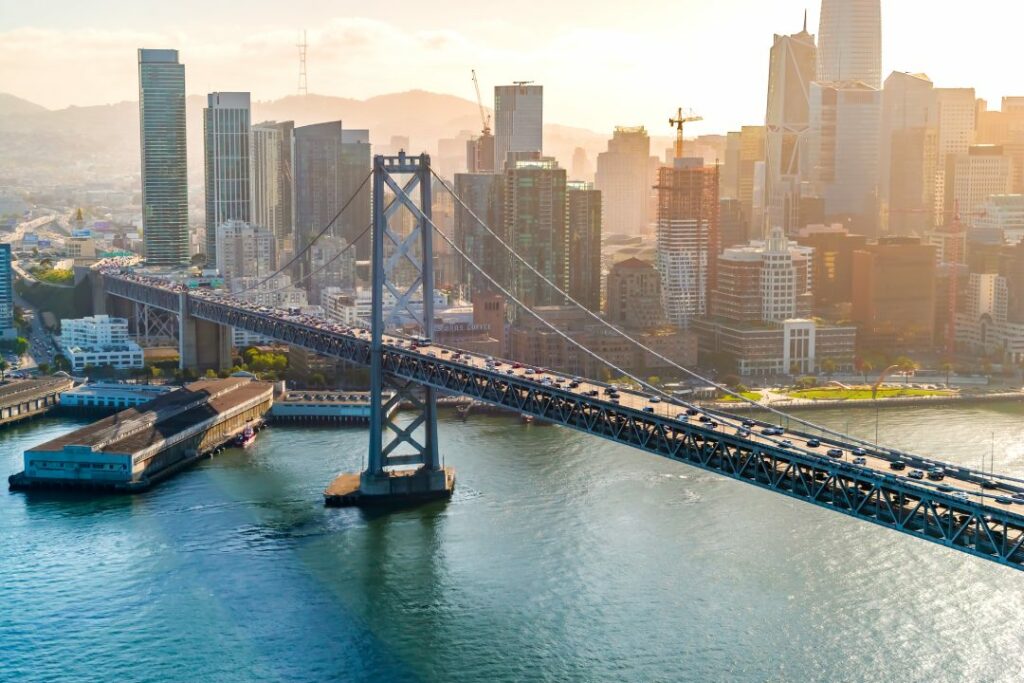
<point>99,340</point>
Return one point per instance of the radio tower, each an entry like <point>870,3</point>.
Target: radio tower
<point>303,86</point>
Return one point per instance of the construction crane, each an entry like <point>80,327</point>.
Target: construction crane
<point>485,118</point>
<point>681,118</point>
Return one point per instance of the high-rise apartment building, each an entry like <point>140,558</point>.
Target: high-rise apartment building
<point>535,226</point>
<point>483,194</point>
<point>792,67</point>
<point>687,237</point>
<point>973,177</point>
<point>850,42</point>
<point>244,250</point>
<point>518,120</point>
<point>583,222</point>
<point>844,151</point>
<point>7,328</point>
<point>226,122</point>
<point>272,171</point>
<point>624,179</point>
<point>164,168</point>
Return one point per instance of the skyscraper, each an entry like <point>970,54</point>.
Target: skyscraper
<point>792,67</point>
<point>850,41</point>
<point>535,226</point>
<point>356,162</point>
<point>226,123</point>
<point>7,329</point>
<point>624,179</point>
<point>844,152</point>
<point>750,176</point>
<point>484,194</point>
<point>272,168</point>
<point>908,102</point>
<point>518,120</point>
<point>330,164</point>
<point>687,237</point>
<point>956,111</point>
<point>583,252</point>
<point>164,170</point>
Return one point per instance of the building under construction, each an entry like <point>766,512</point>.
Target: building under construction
<point>688,237</point>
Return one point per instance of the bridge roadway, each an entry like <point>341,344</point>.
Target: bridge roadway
<point>968,510</point>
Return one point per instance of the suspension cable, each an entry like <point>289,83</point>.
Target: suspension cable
<point>309,246</point>
<point>318,269</point>
<point>656,354</point>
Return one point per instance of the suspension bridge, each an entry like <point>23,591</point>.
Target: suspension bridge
<point>959,507</point>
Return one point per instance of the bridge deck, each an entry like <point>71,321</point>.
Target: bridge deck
<point>958,512</point>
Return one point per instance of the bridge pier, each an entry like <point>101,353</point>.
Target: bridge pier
<point>202,344</point>
<point>391,477</point>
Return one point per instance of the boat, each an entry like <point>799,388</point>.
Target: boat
<point>246,437</point>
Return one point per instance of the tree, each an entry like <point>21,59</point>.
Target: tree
<point>947,368</point>
<point>211,374</point>
<point>3,370</point>
<point>198,260</point>
<point>828,366</point>
<point>44,368</point>
<point>906,365</point>
<point>866,366</point>
<point>61,362</point>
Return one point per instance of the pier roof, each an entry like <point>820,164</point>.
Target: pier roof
<point>134,429</point>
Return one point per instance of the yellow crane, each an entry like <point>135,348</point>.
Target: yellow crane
<point>677,122</point>
<point>485,118</point>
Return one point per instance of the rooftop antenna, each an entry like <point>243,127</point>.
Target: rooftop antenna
<point>303,86</point>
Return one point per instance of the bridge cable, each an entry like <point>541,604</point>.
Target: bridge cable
<point>320,234</point>
<point>727,418</point>
<point>656,354</point>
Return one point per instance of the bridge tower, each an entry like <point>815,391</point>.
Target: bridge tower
<point>403,461</point>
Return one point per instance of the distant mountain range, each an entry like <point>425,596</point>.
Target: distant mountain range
<point>107,136</point>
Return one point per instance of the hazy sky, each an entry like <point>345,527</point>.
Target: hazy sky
<point>602,63</point>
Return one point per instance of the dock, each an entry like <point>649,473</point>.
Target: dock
<point>135,448</point>
<point>26,398</point>
<point>325,407</point>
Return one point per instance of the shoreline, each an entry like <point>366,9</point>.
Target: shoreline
<point>788,405</point>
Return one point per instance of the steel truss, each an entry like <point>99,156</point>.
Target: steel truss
<point>893,502</point>
<point>154,324</point>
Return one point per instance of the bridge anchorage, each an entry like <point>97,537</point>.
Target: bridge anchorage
<point>402,268</point>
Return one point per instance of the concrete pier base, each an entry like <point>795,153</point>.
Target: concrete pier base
<point>360,489</point>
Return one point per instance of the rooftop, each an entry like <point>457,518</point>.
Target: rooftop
<point>134,429</point>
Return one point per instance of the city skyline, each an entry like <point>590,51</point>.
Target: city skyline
<point>348,56</point>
